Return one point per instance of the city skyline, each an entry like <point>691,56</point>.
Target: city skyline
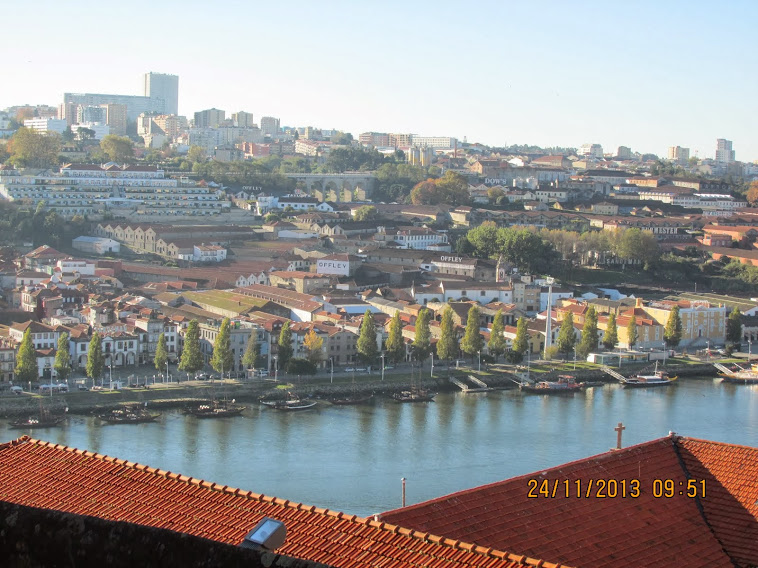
<point>661,76</point>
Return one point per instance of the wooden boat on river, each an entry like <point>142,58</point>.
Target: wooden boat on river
<point>128,414</point>
<point>414,395</point>
<point>564,385</point>
<point>215,409</point>
<point>45,419</point>
<point>351,399</point>
<point>740,375</point>
<point>655,379</point>
<point>292,403</point>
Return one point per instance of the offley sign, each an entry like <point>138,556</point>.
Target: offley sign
<point>455,259</point>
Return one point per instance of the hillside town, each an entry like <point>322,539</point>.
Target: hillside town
<point>136,242</point>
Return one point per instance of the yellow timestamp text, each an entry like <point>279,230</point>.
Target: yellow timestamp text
<point>614,488</point>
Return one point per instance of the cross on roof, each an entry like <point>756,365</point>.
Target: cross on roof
<point>619,429</point>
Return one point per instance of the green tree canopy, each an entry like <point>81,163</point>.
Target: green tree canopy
<point>497,344</point>
<point>611,337</point>
<point>314,345</point>
<point>62,363</point>
<point>95,357</point>
<point>472,341</point>
<point>30,149</point>
<point>161,353</point>
<point>366,345</point>
<point>566,336</point>
<point>672,334</point>
<point>450,189</point>
<point>366,213</point>
<point>734,327</point>
<point>26,360</point>
<point>631,332</point>
<point>521,341</point>
<point>192,358</point>
<point>252,359</point>
<point>119,149</point>
<point>588,343</point>
<point>284,350</point>
<point>222,359</point>
<point>395,344</point>
<point>422,342</point>
<point>447,344</point>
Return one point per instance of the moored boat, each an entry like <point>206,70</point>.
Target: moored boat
<point>740,375</point>
<point>564,385</point>
<point>215,409</point>
<point>44,420</point>
<point>347,400</point>
<point>655,379</point>
<point>128,414</point>
<point>414,395</point>
<point>292,403</point>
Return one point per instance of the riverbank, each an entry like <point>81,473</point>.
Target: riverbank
<point>179,395</point>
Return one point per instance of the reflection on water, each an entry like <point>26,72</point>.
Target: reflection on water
<point>351,458</point>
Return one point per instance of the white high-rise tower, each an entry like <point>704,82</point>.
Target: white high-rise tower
<point>163,87</point>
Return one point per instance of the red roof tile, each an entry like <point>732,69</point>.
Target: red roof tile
<point>40,474</point>
<point>621,532</point>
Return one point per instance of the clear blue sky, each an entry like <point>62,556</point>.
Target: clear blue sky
<point>647,75</point>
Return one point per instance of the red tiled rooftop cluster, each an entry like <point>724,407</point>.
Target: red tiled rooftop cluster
<point>44,475</point>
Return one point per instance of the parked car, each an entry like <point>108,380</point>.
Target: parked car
<point>349,369</point>
<point>16,389</point>
<point>202,377</point>
<point>388,367</point>
<point>262,373</point>
<point>361,369</point>
<point>82,388</point>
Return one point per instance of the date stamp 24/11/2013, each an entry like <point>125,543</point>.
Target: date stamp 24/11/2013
<point>614,488</point>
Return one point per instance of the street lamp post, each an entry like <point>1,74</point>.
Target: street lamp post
<point>708,349</point>
<point>382,366</point>
<point>111,377</point>
<point>431,374</point>
<point>480,360</point>
<point>331,375</point>
<point>749,349</point>
<point>167,368</point>
<point>664,353</point>
<point>276,368</point>
<point>575,357</point>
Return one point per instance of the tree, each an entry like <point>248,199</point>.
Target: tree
<point>222,359</point>
<point>119,148</point>
<point>496,345</point>
<point>366,213</point>
<point>95,357</point>
<point>472,341</point>
<point>631,332</point>
<point>521,341</point>
<point>366,345</point>
<point>161,353</point>
<point>451,189</point>
<point>62,363</point>
<point>31,149</point>
<point>196,154</point>
<point>314,344</point>
<point>447,344</point>
<point>588,342</point>
<point>672,334</point>
<point>422,342</point>
<point>284,351</point>
<point>611,336</point>
<point>734,327</point>
<point>251,359</point>
<point>395,344</point>
<point>300,366</point>
<point>192,358</point>
<point>26,360</point>
<point>566,336</point>
<point>752,193</point>
<point>84,133</point>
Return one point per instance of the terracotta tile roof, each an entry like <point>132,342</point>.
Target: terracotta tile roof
<point>619,532</point>
<point>40,474</point>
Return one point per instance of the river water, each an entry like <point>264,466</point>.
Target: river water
<point>352,458</point>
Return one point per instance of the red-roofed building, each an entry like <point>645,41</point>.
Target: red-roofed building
<point>652,522</point>
<point>53,477</point>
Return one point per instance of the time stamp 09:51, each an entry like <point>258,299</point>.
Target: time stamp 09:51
<point>614,488</point>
